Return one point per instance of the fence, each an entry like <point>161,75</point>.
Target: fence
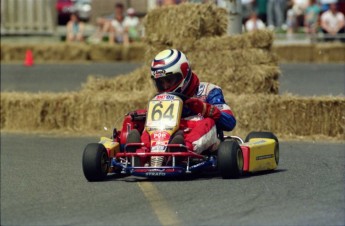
<point>25,17</point>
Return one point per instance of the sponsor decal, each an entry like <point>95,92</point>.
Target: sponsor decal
<point>261,157</point>
<point>158,148</point>
<point>152,129</point>
<point>201,89</point>
<point>160,135</point>
<point>259,142</point>
<point>156,143</point>
<point>159,73</point>
<point>164,97</point>
<point>219,106</point>
<point>155,174</point>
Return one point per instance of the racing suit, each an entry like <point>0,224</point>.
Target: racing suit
<point>203,130</point>
<point>200,133</point>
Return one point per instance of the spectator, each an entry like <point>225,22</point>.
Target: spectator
<point>333,23</point>
<point>275,13</point>
<point>75,29</point>
<point>299,7</point>
<point>117,29</point>
<point>311,17</point>
<point>261,6</point>
<point>131,24</point>
<point>111,25</point>
<point>247,8</point>
<point>103,25</point>
<point>325,4</point>
<point>295,15</point>
<point>254,23</point>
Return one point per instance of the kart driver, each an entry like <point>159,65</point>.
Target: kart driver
<point>205,111</point>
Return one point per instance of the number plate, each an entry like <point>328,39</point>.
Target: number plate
<point>164,113</point>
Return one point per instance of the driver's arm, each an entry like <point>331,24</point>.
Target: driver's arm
<point>226,121</point>
<point>215,108</point>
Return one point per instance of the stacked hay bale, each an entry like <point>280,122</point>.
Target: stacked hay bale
<point>285,116</point>
<point>64,111</point>
<point>290,116</point>
<point>240,64</point>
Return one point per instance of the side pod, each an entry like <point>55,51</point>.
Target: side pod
<point>259,154</point>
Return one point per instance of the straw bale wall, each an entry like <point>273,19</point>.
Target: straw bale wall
<point>74,52</point>
<point>318,53</point>
<point>290,115</point>
<point>65,111</point>
<point>45,52</point>
<point>239,64</point>
<point>64,52</point>
<point>85,111</point>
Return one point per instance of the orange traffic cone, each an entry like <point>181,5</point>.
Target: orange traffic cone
<point>29,59</point>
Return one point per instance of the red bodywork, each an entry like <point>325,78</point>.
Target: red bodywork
<point>136,120</point>
<point>133,120</point>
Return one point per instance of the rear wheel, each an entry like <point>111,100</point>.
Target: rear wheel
<point>230,159</point>
<point>269,135</point>
<point>95,162</point>
<point>133,137</point>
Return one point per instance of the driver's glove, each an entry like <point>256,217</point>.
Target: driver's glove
<point>202,108</point>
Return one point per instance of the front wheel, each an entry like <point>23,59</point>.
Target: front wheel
<point>230,159</point>
<point>95,162</point>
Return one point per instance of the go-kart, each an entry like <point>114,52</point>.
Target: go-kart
<point>125,154</point>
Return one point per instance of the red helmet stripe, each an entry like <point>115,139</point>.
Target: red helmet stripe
<point>157,62</point>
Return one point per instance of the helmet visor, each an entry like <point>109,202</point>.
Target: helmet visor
<point>168,83</point>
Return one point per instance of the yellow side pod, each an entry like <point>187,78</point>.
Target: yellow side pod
<point>259,154</point>
<point>111,146</point>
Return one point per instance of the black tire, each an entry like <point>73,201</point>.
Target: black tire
<point>269,135</point>
<point>230,159</point>
<point>95,162</point>
<point>134,137</point>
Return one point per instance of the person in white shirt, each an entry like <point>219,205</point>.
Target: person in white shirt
<point>254,23</point>
<point>131,24</point>
<point>117,30</point>
<point>333,23</point>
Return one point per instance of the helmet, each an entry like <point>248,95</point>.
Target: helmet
<point>171,71</point>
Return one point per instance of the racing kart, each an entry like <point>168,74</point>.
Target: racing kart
<point>125,154</point>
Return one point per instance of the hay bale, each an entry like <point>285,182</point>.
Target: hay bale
<point>138,80</point>
<point>329,52</point>
<point>65,111</point>
<point>135,52</point>
<point>45,52</point>
<point>294,52</point>
<point>230,61</point>
<point>238,80</point>
<point>261,39</point>
<point>87,111</point>
<point>106,52</point>
<point>290,115</point>
<point>183,24</point>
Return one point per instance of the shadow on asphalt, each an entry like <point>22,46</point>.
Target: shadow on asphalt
<point>189,177</point>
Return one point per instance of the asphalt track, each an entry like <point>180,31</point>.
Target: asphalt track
<point>42,182</point>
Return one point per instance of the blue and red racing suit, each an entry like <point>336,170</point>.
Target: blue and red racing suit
<point>200,133</point>
<point>203,130</point>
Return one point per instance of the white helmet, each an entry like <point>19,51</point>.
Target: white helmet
<point>171,71</point>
